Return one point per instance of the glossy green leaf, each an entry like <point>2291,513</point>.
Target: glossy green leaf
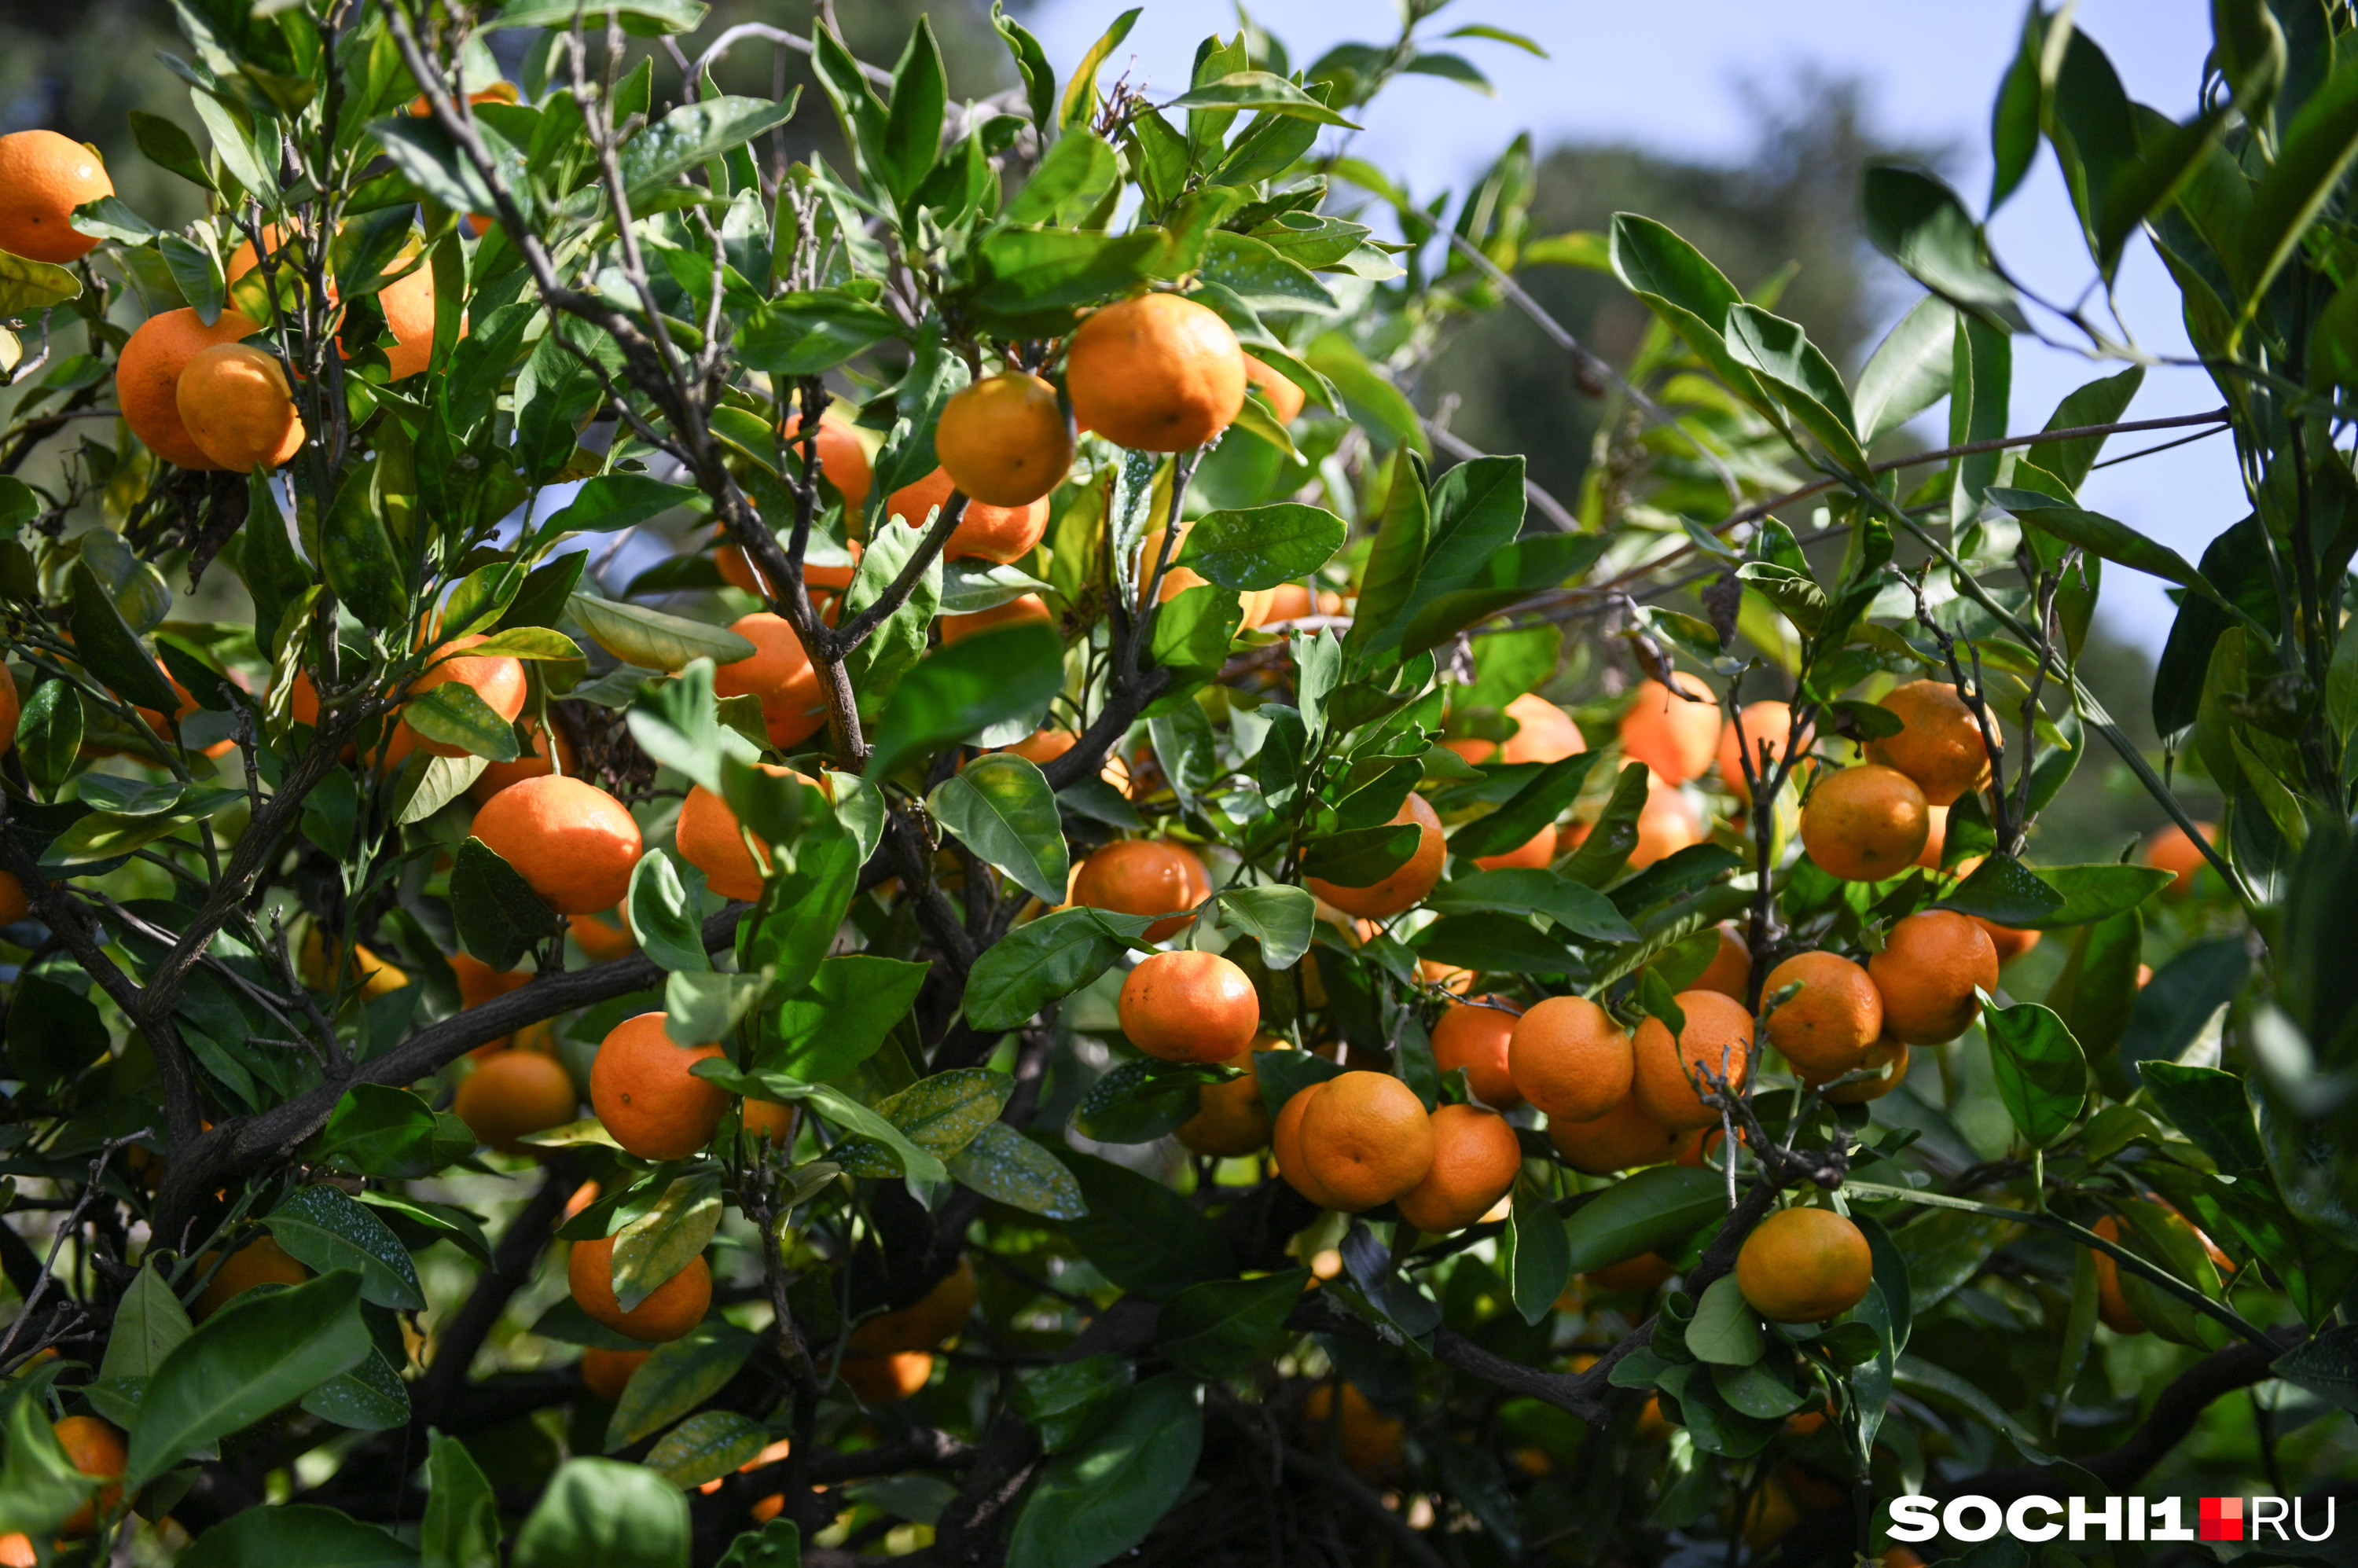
<point>705,1447</point>
<point>1093,1503</point>
<point>498,915</point>
<point>680,1375</point>
<point>1261,546</point>
<point>2042,1075</point>
<point>613,1515</point>
<point>1141,1235</point>
<point>1537,1253</point>
<point>665,901</point>
<point>259,1353</point>
<point>1006,1167</point>
<point>1258,89</point>
<point>839,1020</point>
<point>652,640</point>
<point>149,1324</point>
<point>461,1527</point>
<point>455,713</point>
<point>1804,380</point>
<point>1654,1209</point>
<point>307,1533</point>
<point>1918,223</point>
<point>672,1234</point>
<point>807,333</point>
<point>1725,1330</point>
<point>1001,807</point>
<point>1221,1327</point>
<point>1579,908</point>
<point>942,1113</point>
<point>1909,370</point>
<point>2210,1107</point>
<point>321,1226</point>
<point>611,502</point>
<point>1281,919</point>
<point>369,1397</point>
<point>693,133</point>
<point>2005,892</point>
<point>966,686</point>
<point>27,287</point>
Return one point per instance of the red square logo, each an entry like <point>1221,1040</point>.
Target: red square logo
<point>2220,1518</point>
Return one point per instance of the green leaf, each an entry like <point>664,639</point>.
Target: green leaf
<point>2042,1075</point>
<point>2095,892</point>
<point>149,1324</point>
<point>1038,963</point>
<point>1803,379</point>
<point>2015,116</point>
<point>1006,1167</point>
<point>1222,1327</point>
<point>942,1113</point>
<point>808,333</point>
<point>1035,274</point>
<point>1281,918</point>
<point>837,1022</point>
<point>1141,1235</point>
<point>248,1359</point>
<point>1918,223</point>
<point>612,1515</point>
<point>1489,940</point>
<point>379,1130</point>
<point>2326,1365</point>
<point>39,1488</point>
<point>691,135</point>
<point>1606,849</point>
<point>1081,100</point>
<point>665,16</point>
<point>1000,806</point>
<point>107,648</point>
<point>2098,987</point>
<point>613,501</point>
<point>357,554</point>
<point>369,1397</point>
<point>1505,577</point>
<point>832,1104</point>
<point>1540,800</point>
<point>461,1527</point>
<point>1361,857</point>
<point>49,734</point>
<point>1139,1101</point>
<point>498,915</point>
<point>1654,1209</point>
<point>1686,291</point>
<point>672,1233</point>
<point>319,1226</point>
<point>455,713</point>
<point>1368,395</point>
<point>307,1533</point>
<point>959,689</point>
<point>28,287</point>
<point>1259,90</point>
<point>702,1007</point>
<point>912,121</point>
<point>1193,629</point>
<point>163,144</point>
<point>679,1376</point>
<point>777,1544</point>
<point>678,724</point>
<point>1725,1331</point>
<point>1909,370</point>
<point>664,904</point>
<point>2210,1107</point>
<point>2115,541</point>
<point>1093,1503</point>
<point>706,1447</point>
<point>2311,156</point>
<point>1537,1253</point>
<point>1579,908</point>
<point>2004,891</point>
<point>652,640</point>
<point>1261,278</point>
<point>1261,546</point>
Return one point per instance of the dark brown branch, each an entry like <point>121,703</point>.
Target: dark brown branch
<point>248,1143</point>
<point>513,1262</point>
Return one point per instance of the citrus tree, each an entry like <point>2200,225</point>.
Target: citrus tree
<point>949,693</point>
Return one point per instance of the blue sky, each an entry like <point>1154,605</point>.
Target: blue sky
<point>1669,76</point>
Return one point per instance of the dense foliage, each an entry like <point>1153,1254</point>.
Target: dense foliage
<point>494,625</point>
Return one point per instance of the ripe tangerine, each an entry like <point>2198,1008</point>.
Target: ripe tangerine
<point>643,1093</point>
<point>1189,1006</point>
<point>1004,439</point>
<point>1156,373</point>
<point>572,843</point>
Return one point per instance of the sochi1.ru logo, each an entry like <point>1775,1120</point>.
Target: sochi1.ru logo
<point>1974,1518</point>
